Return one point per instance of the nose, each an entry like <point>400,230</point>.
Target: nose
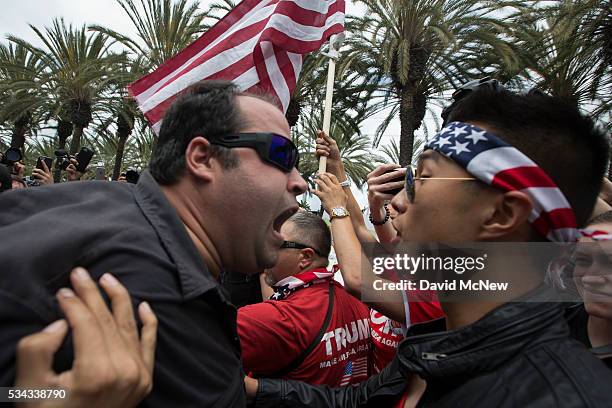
<point>296,183</point>
<point>399,203</point>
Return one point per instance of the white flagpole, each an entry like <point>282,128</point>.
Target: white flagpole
<point>335,42</point>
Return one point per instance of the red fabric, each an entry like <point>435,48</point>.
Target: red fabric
<point>519,178</point>
<point>387,334</point>
<point>273,333</point>
<point>424,306</point>
<point>402,400</point>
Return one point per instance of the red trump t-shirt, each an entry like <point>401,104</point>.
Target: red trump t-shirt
<point>387,333</point>
<point>274,333</point>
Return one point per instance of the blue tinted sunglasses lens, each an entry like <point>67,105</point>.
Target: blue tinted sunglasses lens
<point>283,152</point>
<point>410,174</point>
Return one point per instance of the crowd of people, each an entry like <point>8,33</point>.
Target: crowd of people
<point>67,168</point>
<point>213,223</point>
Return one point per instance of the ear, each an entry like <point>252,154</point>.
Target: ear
<point>307,256</point>
<point>510,212</point>
<point>199,160</point>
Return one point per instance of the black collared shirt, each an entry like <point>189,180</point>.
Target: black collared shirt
<point>133,232</point>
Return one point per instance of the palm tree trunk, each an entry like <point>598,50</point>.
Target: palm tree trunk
<point>18,137</point>
<point>20,128</point>
<point>122,136</point>
<point>75,144</point>
<point>406,143</point>
<point>293,111</point>
<point>64,130</point>
<point>125,125</point>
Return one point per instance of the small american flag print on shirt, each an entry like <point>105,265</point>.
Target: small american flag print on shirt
<point>355,371</point>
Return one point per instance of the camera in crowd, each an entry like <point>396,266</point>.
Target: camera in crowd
<point>63,159</point>
<point>132,175</point>
<point>8,159</point>
<point>83,157</point>
<point>11,156</point>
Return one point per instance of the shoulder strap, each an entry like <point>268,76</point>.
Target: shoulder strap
<point>300,359</point>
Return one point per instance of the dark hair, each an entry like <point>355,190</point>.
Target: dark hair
<point>550,131</point>
<point>312,231</point>
<point>602,218</point>
<point>207,108</point>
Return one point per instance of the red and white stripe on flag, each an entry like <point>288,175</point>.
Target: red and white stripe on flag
<point>355,371</point>
<point>260,43</point>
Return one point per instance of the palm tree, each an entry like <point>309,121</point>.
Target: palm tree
<point>565,49</point>
<point>26,97</point>
<point>20,70</point>
<point>119,120</point>
<point>162,29</point>
<point>77,72</point>
<point>355,148</point>
<point>122,113</point>
<point>135,152</point>
<point>406,51</point>
<point>391,151</point>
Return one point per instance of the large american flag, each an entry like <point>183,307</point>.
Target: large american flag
<point>355,371</point>
<point>260,43</point>
<point>490,159</point>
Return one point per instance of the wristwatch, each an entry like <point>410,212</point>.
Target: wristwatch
<point>339,212</point>
<point>346,183</point>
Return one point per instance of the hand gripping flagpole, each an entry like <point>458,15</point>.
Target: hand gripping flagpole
<point>335,42</point>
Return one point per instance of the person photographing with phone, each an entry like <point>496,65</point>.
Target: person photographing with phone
<point>42,172</point>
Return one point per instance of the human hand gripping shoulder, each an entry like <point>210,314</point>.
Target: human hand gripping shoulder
<point>113,365</point>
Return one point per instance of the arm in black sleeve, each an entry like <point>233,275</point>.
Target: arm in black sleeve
<point>383,389</point>
<point>17,320</point>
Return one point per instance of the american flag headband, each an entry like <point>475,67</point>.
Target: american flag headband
<point>495,162</point>
<point>596,235</point>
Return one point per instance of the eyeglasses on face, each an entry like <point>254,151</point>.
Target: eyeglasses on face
<point>297,245</point>
<point>272,148</point>
<point>411,177</point>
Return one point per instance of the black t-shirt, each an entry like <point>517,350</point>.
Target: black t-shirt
<point>134,233</point>
<point>577,319</point>
<point>243,289</point>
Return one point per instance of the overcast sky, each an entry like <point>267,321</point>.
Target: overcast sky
<point>16,15</point>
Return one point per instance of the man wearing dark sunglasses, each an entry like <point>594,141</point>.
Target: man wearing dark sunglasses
<point>537,164</point>
<point>310,322</point>
<point>221,182</point>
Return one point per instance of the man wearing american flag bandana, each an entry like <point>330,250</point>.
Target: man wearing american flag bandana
<point>509,168</point>
<point>491,160</point>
